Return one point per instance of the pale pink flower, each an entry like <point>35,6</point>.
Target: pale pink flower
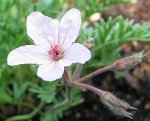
<point>55,46</point>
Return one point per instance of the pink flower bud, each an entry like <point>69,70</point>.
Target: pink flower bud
<point>129,62</point>
<point>115,105</point>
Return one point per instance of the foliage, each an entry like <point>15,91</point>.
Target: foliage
<point>56,114</point>
<point>113,33</point>
<point>46,92</point>
<point>110,2</point>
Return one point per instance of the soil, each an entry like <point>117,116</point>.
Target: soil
<point>139,11</point>
<point>133,88</point>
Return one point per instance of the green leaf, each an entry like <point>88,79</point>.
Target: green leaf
<point>4,96</point>
<point>56,114</point>
<point>45,92</point>
<point>19,90</point>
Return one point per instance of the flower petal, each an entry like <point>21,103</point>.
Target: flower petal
<point>76,53</point>
<point>29,54</point>
<point>51,71</point>
<point>69,28</point>
<point>42,30</point>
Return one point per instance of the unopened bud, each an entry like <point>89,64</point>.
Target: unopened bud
<point>115,105</point>
<point>129,62</point>
<point>89,43</point>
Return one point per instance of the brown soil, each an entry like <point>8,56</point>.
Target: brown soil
<point>139,11</point>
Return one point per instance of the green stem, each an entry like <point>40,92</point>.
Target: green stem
<point>26,116</point>
<point>67,101</point>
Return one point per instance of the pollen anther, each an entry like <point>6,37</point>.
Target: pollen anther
<point>55,52</point>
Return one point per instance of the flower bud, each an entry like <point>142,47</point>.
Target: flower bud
<point>129,62</point>
<point>115,105</point>
<point>89,43</point>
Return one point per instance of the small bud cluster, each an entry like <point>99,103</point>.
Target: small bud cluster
<point>89,43</point>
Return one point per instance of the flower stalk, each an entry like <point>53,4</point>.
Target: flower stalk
<point>72,83</point>
<point>97,72</point>
<point>115,105</point>
<point>77,71</point>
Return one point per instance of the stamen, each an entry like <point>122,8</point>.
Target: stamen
<point>55,52</point>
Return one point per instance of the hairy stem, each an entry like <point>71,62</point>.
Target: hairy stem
<point>71,83</point>
<point>98,71</point>
<point>77,71</point>
<point>87,87</point>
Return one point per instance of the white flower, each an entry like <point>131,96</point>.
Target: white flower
<point>54,44</point>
